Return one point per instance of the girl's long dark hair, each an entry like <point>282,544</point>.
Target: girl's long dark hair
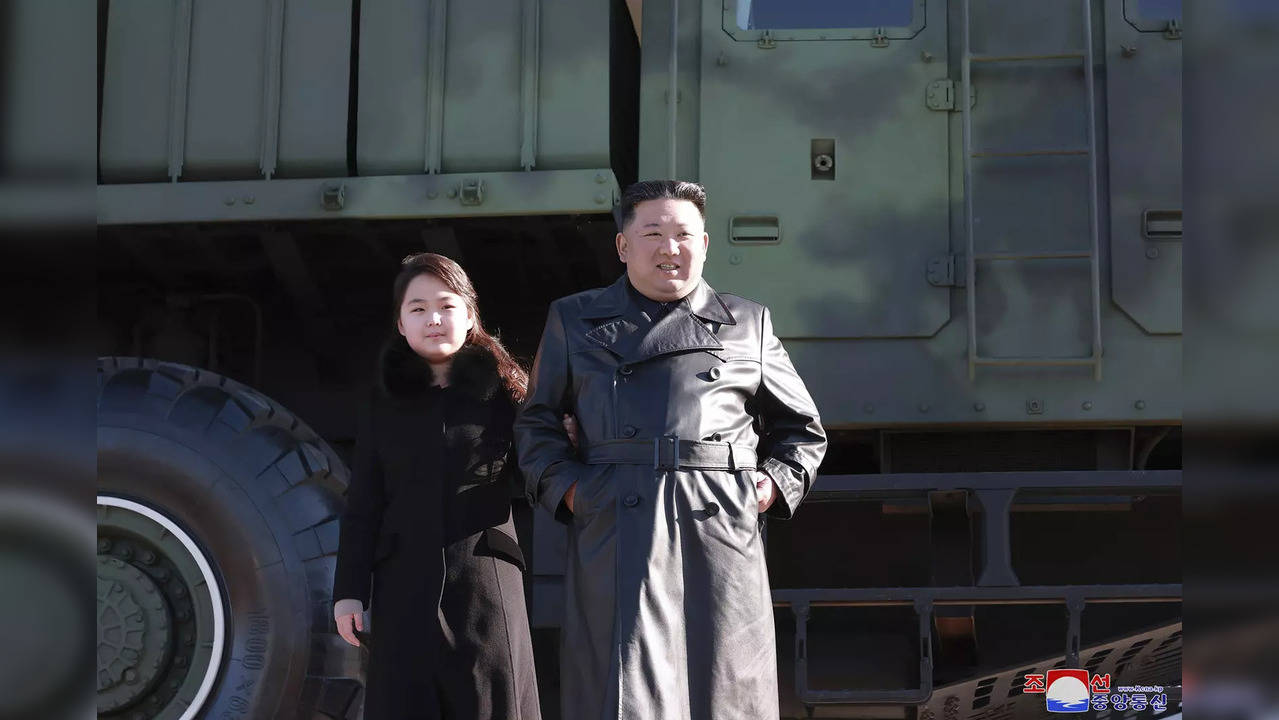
<point>514,377</point>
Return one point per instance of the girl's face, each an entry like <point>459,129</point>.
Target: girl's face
<point>433,320</point>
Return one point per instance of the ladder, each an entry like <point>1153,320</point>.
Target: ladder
<point>975,359</point>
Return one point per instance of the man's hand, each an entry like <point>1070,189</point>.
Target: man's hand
<point>348,624</point>
<point>766,490</point>
<point>568,496</point>
<point>570,429</point>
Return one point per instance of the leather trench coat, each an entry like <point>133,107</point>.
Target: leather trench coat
<point>668,611</point>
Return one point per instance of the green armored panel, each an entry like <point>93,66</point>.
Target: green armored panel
<point>461,87</point>
<point>137,101</point>
<point>1143,90</point>
<point>840,178</point>
<point>827,167</point>
<point>226,90</point>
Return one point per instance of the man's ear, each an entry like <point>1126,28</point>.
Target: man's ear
<point>621,247</point>
<point>706,241</point>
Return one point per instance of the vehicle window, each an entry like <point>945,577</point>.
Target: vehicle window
<point>821,14</point>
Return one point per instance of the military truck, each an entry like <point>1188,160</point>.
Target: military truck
<point>965,216</point>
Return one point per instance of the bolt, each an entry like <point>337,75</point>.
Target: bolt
<point>1127,50</point>
<point>735,259</point>
<point>979,406</point>
<point>249,199</point>
<point>599,178</point>
<point>148,557</point>
<point>1087,405</point>
<point>926,56</point>
<point>1140,404</point>
<point>104,545</point>
<point>127,553</point>
<point>228,201</point>
<point>1152,252</point>
<point>600,199</point>
<point>130,676</point>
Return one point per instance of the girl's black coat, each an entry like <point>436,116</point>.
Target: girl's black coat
<point>428,534</point>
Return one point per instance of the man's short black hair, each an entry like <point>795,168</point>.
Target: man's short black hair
<point>644,190</point>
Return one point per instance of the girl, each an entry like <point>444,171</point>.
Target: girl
<point>428,532</point>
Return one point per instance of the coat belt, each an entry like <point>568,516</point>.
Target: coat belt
<point>671,453</point>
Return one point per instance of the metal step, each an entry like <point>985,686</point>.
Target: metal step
<point>1063,55</point>
<point>1041,255</point>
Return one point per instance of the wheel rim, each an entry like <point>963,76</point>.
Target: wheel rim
<point>161,617</point>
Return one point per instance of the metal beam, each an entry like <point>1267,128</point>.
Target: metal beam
<point>541,192</point>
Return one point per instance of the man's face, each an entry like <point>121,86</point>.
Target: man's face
<point>664,248</point>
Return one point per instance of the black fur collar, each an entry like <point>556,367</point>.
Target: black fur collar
<point>405,374</point>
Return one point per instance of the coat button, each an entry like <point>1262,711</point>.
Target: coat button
<point>714,373</point>
<point>625,370</point>
<point>629,431</point>
<point>631,500</point>
<point>711,509</point>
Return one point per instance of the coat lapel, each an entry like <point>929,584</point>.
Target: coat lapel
<point>684,328</point>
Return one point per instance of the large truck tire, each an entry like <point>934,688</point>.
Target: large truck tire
<point>217,522</point>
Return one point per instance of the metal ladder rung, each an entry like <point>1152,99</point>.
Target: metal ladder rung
<point>1029,153</point>
<point>1046,255</point>
<point>1037,361</point>
<point>1063,55</point>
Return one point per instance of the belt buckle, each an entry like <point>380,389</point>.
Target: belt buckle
<point>666,452</point>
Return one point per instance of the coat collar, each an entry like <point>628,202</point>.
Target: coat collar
<point>628,335</point>
<point>403,374</point>
<point>614,301</point>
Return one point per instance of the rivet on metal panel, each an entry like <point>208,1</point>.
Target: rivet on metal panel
<point>735,259</point>
<point>766,41</point>
<point>1173,30</point>
<point>472,192</point>
<point>1127,50</point>
<point>452,192</point>
<point>926,56</point>
<point>879,39</point>
<point>228,201</point>
<point>722,59</point>
<point>1034,406</point>
<point>248,199</point>
<point>979,406</point>
<point>1152,252</point>
<point>333,196</point>
<point>1140,404</point>
<point>600,199</point>
<point>1087,405</point>
<point>600,178</point>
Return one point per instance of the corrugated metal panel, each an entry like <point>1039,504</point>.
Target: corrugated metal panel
<point>226,90</point>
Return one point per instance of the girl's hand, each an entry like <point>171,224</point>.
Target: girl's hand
<point>348,624</point>
<point>570,428</point>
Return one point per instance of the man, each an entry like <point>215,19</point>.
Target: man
<point>691,422</point>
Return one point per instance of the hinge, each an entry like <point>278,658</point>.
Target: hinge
<point>472,192</point>
<point>940,95</point>
<point>947,271</point>
<point>879,39</point>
